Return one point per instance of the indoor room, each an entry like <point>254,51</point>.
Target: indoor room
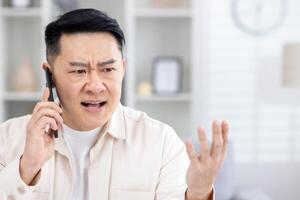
<point>188,62</point>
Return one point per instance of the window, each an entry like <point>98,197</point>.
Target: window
<point>263,130</point>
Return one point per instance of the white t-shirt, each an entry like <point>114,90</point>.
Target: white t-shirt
<point>79,144</point>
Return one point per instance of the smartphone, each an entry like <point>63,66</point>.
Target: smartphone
<point>50,85</point>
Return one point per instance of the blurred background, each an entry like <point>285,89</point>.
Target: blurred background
<point>189,62</point>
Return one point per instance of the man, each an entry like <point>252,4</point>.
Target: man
<point>104,150</point>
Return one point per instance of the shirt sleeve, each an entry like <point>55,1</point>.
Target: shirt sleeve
<point>172,183</point>
<point>11,183</point>
<point>212,195</point>
<point>172,179</point>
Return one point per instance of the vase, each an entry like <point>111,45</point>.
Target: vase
<point>24,77</point>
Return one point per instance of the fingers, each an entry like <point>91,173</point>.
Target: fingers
<point>217,142</point>
<point>47,104</point>
<point>191,152</point>
<point>44,121</point>
<point>204,148</point>
<point>45,110</point>
<point>49,113</point>
<point>225,130</point>
<point>38,127</point>
<point>46,94</point>
<point>218,148</point>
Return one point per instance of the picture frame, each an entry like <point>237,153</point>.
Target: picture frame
<point>167,75</point>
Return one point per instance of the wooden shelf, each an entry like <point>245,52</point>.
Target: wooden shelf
<point>163,13</point>
<point>22,96</point>
<point>21,12</point>
<point>181,97</point>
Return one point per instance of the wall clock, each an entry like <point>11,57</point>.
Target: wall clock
<point>258,17</point>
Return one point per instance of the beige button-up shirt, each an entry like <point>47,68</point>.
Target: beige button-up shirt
<point>136,158</point>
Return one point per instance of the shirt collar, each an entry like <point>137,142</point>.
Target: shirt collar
<point>116,126</point>
<point>60,145</point>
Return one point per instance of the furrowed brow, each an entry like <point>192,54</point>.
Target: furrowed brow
<point>78,64</point>
<point>110,61</point>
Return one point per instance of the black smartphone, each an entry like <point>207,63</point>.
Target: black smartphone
<point>50,85</point>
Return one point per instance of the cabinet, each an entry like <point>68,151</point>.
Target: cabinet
<point>154,31</point>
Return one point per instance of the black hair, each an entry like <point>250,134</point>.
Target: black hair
<point>77,21</point>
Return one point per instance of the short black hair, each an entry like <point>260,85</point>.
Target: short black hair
<point>81,20</point>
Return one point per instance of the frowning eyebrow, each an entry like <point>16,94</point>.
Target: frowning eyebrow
<point>108,62</point>
<point>99,64</point>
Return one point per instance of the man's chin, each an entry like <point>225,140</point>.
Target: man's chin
<point>94,120</point>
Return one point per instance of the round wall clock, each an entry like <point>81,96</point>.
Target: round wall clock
<point>258,17</point>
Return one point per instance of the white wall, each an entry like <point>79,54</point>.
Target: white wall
<point>264,124</point>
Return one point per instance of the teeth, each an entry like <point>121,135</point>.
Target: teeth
<point>92,102</point>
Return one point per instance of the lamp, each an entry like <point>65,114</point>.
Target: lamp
<point>291,65</point>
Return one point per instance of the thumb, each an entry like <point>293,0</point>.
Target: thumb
<point>46,94</point>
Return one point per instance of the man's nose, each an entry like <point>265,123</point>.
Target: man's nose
<point>95,83</point>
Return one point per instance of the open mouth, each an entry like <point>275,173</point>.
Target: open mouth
<point>93,104</point>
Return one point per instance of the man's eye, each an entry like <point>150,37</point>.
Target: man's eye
<point>79,71</point>
<point>110,69</point>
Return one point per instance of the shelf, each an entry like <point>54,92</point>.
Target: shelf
<point>21,12</point>
<point>22,96</point>
<point>156,98</point>
<point>164,12</point>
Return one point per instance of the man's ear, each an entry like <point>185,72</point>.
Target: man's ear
<point>46,65</point>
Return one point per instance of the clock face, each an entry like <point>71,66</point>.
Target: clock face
<point>258,17</point>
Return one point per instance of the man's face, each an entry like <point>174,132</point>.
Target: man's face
<point>88,74</point>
